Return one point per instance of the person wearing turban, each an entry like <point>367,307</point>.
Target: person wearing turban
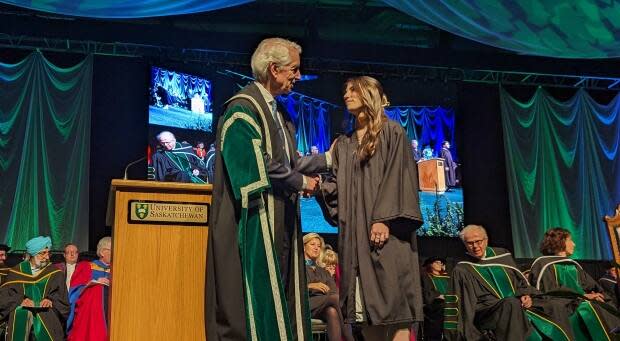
<point>34,296</point>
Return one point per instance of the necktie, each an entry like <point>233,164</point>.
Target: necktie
<point>276,118</point>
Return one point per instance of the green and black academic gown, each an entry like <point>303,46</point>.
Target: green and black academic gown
<point>256,287</point>
<point>484,295</point>
<point>4,271</point>
<point>564,277</point>
<point>433,286</point>
<point>21,284</point>
<point>177,165</point>
<point>610,287</point>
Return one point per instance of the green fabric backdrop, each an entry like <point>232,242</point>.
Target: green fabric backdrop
<point>44,151</point>
<point>562,169</point>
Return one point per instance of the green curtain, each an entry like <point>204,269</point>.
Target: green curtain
<point>562,169</point>
<point>44,151</point>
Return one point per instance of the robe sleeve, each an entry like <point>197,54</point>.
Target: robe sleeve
<point>56,292</point>
<point>397,199</point>
<point>327,196</point>
<point>10,298</point>
<point>242,153</point>
<point>429,293</point>
<point>460,309</point>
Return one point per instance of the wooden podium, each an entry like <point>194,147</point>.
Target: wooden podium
<point>432,176</point>
<point>159,243</point>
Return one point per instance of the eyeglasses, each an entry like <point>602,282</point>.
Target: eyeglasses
<point>44,253</point>
<point>476,242</point>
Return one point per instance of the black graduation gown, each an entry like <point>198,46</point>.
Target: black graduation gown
<point>478,308</point>
<point>449,167</point>
<point>224,299</point>
<point>610,287</point>
<point>384,189</point>
<point>166,169</point>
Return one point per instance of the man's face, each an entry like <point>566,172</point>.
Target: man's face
<point>106,255</point>
<point>71,254</point>
<point>314,150</point>
<point>285,76</point>
<point>167,141</point>
<point>41,259</point>
<point>476,243</point>
<point>2,257</point>
<point>447,145</point>
<point>414,144</point>
<point>613,272</point>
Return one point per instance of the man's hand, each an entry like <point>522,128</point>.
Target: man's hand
<point>103,280</point>
<point>196,172</point>
<point>526,301</point>
<point>595,296</point>
<point>318,286</point>
<point>312,185</point>
<point>27,303</point>
<point>46,303</point>
<point>379,234</point>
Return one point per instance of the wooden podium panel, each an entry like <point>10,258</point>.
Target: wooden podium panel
<point>432,176</point>
<point>158,268</point>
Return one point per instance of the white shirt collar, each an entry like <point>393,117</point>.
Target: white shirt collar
<point>266,94</point>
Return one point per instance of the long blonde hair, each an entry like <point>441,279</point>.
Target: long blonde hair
<point>373,100</point>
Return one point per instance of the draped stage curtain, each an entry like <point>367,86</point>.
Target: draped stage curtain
<point>125,8</point>
<point>559,28</point>
<point>181,86</point>
<point>563,169</point>
<point>429,125</point>
<point>311,118</point>
<point>44,151</point>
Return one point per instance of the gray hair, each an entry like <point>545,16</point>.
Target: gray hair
<point>472,228</point>
<point>165,132</point>
<point>104,243</point>
<point>271,50</point>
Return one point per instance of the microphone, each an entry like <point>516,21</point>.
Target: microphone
<point>131,164</point>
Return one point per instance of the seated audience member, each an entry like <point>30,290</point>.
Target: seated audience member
<point>4,269</point>
<point>329,261</point>
<point>556,274</point>
<point>176,161</point>
<point>490,296</point>
<point>34,296</point>
<point>71,254</point>
<point>434,287</point>
<point>89,297</point>
<point>324,301</point>
<point>609,283</point>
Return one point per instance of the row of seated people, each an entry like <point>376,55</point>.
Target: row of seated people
<point>44,301</point>
<point>486,296</point>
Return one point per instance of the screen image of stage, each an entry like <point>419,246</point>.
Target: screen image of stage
<point>180,141</point>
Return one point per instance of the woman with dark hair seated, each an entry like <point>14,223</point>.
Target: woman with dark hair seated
<point>324,301</point>
<point>556,274</point>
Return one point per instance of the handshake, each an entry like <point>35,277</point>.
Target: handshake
<point>313,184</point>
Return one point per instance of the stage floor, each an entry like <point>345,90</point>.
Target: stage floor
<point>179,118</point>
<point>447,206</point>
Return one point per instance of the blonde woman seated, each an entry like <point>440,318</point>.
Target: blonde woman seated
<point>322,290</point>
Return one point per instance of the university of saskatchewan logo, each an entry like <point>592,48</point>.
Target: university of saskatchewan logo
<point>142,210</point>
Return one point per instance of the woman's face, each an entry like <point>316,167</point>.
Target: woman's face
<point>352,99</point>
<point>312,249</point>
<point>570,245</point>
<point>437,266</point>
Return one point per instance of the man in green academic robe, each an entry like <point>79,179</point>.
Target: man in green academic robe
<point>489,295</point>
<point>34,296</point>
<point>256,288</point>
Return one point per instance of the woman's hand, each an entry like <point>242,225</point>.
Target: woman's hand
<point>379,234</point>
<point>318,286</point>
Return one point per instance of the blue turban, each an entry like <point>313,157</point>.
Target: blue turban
<point>38,244</point>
